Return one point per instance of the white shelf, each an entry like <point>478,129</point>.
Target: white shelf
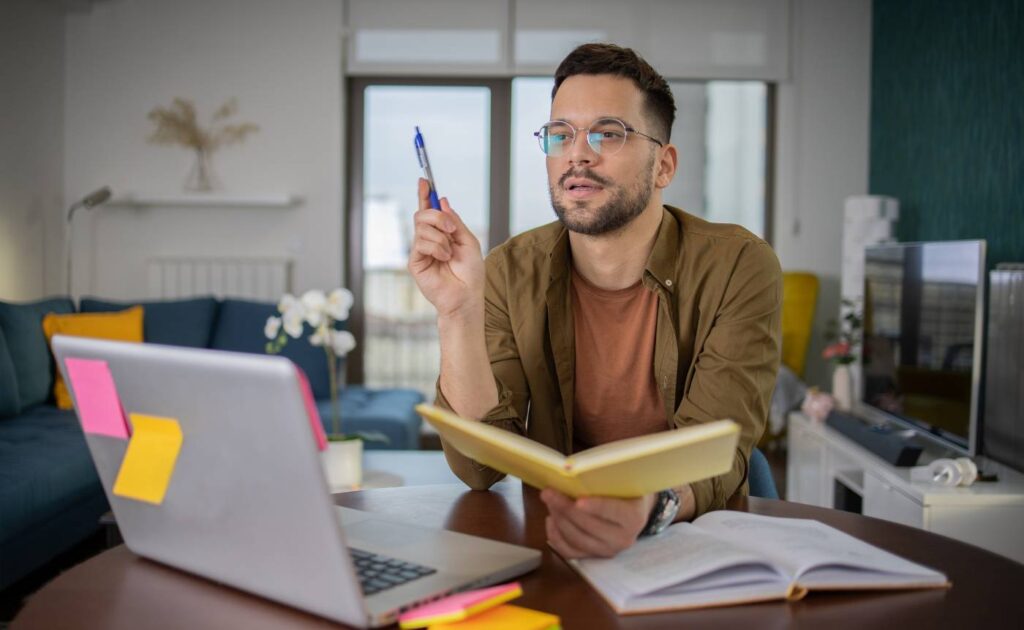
<point>205,201</point>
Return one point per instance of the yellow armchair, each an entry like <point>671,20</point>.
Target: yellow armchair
<point>799,297</point>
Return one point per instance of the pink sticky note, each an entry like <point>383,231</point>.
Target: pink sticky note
<point>99,406</point>
<point>311,410</point>
<point>459,606</point>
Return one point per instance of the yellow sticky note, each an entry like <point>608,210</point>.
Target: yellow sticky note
<point>506,617</point>
<point>149,460</point>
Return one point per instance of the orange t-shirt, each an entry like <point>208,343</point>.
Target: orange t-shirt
<point>615,393</point>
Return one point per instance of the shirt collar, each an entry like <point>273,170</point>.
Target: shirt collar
<point>661,264</point>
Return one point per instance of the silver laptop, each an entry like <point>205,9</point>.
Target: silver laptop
<point>248,502</point>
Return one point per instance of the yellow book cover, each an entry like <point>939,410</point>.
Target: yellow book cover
<point>626,468</point>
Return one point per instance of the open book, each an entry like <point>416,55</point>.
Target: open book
<point>627,468</point>
<point>725,558</point>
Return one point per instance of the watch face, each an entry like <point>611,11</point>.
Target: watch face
<point>666,506</point>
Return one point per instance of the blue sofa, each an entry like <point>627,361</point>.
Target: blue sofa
<point>50,495</point>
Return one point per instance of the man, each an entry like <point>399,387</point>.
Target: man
<point>624,317</point>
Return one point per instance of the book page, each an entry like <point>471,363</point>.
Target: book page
<point>680,554</point>
<point>801,545</point>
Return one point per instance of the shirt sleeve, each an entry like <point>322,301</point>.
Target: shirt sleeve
<point>513,392</point>
<point>736,366</point>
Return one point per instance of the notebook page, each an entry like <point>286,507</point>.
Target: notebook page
<point>681,553</point>
<point>800,545</point>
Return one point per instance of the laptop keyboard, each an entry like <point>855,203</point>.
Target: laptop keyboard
<point>379,573</point>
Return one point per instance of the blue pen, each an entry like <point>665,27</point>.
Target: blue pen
<point>421,154</point>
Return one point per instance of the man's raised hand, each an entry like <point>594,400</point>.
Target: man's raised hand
<point>445,260</point>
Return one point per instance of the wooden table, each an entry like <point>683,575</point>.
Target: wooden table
<point>120,590</point>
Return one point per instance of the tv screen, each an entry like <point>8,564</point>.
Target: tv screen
<point>922,345</point>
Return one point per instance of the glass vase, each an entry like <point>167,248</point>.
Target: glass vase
<point>200,176</point>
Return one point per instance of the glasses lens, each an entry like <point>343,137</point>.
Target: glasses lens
<point>606,136</point>
<point>554,138</point>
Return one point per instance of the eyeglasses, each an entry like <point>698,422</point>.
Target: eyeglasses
<point>605,136</point>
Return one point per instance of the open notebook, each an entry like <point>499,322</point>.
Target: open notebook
<point>725,558</point>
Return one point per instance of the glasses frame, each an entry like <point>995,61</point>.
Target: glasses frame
<point>628,128</point>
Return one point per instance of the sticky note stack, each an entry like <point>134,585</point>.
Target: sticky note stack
<point>483,608</point>
<point>505,617</point>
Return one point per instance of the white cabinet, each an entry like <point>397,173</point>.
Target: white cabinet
<point>883,500</point>
<point>827,469</point>
<point>805,466</point>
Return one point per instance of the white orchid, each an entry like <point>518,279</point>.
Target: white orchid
<point>319,337</point>
<point>315,304</point>
<point>293,321</point>
<point>286,303</point>
<point>342,341</point>
<point>339,301</point>
<point>272,327</point>
<point>320,312</point>
<point>293,314</point>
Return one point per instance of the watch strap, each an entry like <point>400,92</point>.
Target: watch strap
<point>663,513</point>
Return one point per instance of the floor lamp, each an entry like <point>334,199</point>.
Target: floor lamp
<point>88,202</point>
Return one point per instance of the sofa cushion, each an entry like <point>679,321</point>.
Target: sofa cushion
<point>22,326</point>
<point>10,404</point>
<point>44,467</point>
<point>390,412</point>
<point>123,325</point>
<point>172,322</point>
<point>239,328</point>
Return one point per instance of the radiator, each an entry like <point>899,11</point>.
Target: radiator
<point>264,279</point>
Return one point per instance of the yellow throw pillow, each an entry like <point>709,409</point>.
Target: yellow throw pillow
<point>120,326</point>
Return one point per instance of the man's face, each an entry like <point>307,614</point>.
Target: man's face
<point>599,193</point>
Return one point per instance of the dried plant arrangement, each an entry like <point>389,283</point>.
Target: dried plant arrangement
<point>178,124</point>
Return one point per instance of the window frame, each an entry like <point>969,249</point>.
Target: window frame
<point>500,182</point>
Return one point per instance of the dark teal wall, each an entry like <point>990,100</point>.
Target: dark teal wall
<point>947,119</point>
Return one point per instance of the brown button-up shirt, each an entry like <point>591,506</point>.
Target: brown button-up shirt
<point>717,342</point>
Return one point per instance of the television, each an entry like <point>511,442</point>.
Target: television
<point>923,339</point>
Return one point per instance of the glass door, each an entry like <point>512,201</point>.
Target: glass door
<point>394,324</point>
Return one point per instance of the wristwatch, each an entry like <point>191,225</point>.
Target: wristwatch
<point>666,506</point>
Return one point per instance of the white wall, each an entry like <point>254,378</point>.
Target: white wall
<point>31,148</point>
<point>282,60</point>
<point>823,140</point>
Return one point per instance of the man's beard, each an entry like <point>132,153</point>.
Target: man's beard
<point>624,206</point>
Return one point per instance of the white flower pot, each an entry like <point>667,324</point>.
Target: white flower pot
<point>343,464</point>
<point>842,387</point>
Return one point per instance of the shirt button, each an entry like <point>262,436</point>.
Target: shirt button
<point>668,283</point>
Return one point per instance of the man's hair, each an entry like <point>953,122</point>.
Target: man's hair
<point>624,62</point>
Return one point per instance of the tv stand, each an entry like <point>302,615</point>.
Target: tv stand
<point>828,469</point>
